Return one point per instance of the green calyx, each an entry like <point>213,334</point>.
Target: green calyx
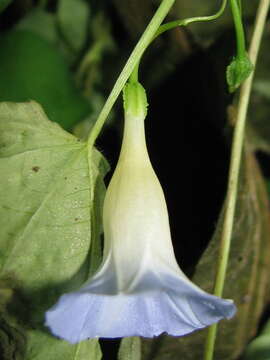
<point>135,100</point>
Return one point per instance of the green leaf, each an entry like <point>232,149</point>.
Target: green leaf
<point>73,18</point>
<point>4,4</point>
<point>41,23</point>
<point>33,69</point>
<point>130,349</point>
<point>238,71</point>
<point>259,348</point>
<point>45,347</point>
<point>50,219</point>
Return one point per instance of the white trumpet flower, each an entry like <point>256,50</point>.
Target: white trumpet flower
<point>139,289</point>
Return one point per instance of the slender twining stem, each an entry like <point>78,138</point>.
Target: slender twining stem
<point>136,54</point>
<point>173,24</point>
<point>239,29</point>
<point>185,22</point>
<point>237,146</point>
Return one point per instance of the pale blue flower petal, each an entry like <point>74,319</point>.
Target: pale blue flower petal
<point>176,311</point>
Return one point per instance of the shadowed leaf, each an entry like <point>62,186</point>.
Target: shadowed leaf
<point>72,18</point>
<point>41,23</point>
<point>259,348</point>
<point>31,68</point>
<point>4,4</point>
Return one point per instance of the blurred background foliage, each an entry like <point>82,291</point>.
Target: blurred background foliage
<point>66,54</point>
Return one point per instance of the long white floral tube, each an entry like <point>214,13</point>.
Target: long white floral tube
<point>139,288</point>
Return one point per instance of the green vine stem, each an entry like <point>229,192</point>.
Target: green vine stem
<point>240,34</point>
<point>185,22</point>
<point>136,54</point>
<point>237,147</point>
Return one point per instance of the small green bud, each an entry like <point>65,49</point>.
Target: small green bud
<point>239,70</point>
